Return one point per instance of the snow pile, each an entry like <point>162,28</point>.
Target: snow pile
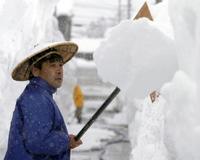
<point>137,61</point>
<point>182,117</point>
<point>162,19</point>
<point>64,7</point>
<point>183,92</point>
<point>138,58</point>
<point>150,132</point>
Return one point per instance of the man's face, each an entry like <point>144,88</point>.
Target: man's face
<point>52,72</point>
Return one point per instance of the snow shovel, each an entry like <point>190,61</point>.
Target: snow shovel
<point>97,113</point>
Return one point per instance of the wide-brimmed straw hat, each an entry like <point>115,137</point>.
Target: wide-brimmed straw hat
<point>65,49</point>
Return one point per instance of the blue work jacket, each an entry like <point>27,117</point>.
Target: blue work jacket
<point>37,131</point>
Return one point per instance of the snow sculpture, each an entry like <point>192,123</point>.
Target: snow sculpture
<point>150,134</point>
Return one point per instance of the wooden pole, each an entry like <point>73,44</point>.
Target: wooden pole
<point>97,113</point>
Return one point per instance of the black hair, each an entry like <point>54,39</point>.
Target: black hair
<point>54,57</point>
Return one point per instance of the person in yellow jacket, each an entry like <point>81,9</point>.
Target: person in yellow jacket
<point>78,98</point>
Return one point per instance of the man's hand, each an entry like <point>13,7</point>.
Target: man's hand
<point>154,95</point>
<point>73,143</point>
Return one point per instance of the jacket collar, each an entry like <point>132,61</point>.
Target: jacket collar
<point>43,84</point>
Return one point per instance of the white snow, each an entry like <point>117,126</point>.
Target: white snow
<point>144,56</point>
<point>64,7</point>
<point>93,138</point>
<point>87,45</point>
<point>150,132</point>
<point>84,63</point>
<point>142,50</point>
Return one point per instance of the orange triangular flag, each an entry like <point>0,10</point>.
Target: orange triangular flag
<point>144,12</point>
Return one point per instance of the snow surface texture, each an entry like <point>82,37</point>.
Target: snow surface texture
<point>93,138</point>
<point>128,59</point>
<point>136,57</point>
<point>150,134</point>
<point>184,90</point>
<point>182,117</point>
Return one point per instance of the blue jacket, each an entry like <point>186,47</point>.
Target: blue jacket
<point>37,131</point>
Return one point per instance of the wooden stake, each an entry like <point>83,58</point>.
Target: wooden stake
<point>144,12</point>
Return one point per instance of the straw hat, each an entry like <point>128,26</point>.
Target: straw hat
<point>66,49</point>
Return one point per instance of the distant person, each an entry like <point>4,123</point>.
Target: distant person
<point>78,102</point>
<point>37,130</point>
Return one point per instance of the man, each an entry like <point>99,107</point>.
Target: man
<point>38,131</point>
<point>78,102</point>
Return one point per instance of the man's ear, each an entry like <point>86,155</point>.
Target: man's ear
<point>35,71</point>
